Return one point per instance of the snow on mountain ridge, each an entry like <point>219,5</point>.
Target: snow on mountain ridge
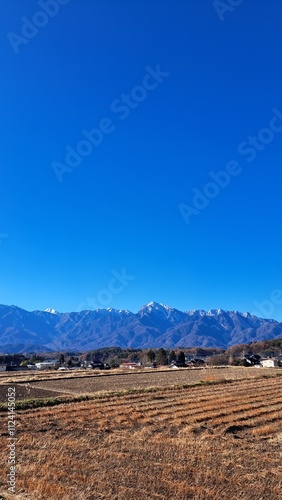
<point>50,310</point>
<point>158,306</point>
<point>154,326</point>
<point>168,310</point>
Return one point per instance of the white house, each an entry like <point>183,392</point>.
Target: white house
<point>3,368</point>
<point>130,366</point>
<point>44,365</point>
<point>269,363</point>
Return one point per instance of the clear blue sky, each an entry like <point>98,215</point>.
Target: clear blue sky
<point>119,208</point>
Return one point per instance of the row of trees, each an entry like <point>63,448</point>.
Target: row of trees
<point>161,357</point>
<point>114,356</point>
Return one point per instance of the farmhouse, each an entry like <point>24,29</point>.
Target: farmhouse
<point>269,363</point>
<point>3,368</point>
<point>130,366</point>
<point>44,365</point>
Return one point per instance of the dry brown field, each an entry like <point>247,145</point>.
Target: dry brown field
<point>42,384</point>
<point>210,440</point>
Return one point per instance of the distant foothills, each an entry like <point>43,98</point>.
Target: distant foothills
<point>153,326</point>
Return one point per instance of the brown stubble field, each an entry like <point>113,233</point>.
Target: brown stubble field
<point>207,441</point>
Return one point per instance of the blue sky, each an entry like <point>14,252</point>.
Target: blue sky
<point>178,90</point>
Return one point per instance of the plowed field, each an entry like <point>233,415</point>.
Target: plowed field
<point>218,441</point>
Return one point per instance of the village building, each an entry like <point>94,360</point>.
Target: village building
<point>269,363</point>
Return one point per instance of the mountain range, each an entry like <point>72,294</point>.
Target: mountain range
<point>154,325</point>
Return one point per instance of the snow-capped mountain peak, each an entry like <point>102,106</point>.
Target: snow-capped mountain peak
<point>155,325</point>
<point>156,306</point>
<point>50,310</point>
<point>163,312</point>
<point>117,311</point>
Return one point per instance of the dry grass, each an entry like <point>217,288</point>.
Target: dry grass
<point>210,441</point>
<point>208,373</point>
<point>83,381</point>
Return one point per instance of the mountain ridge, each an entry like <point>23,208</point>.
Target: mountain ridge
<point>154,325</point>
